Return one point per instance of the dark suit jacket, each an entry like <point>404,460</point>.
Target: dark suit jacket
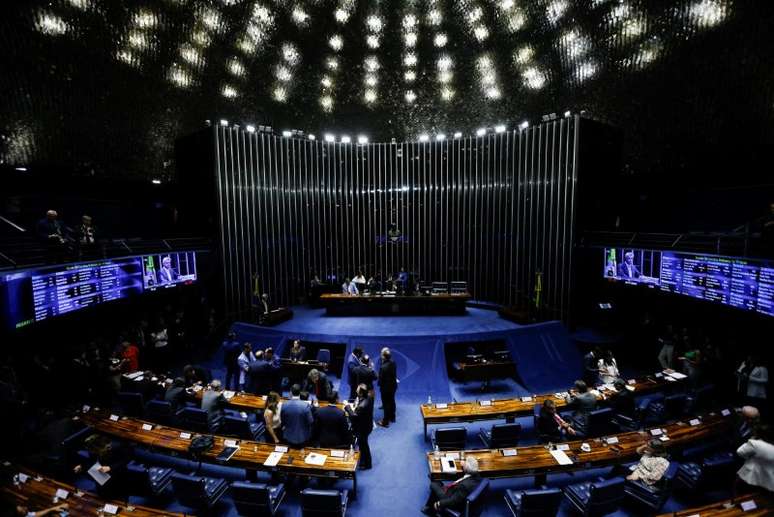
<point>300,356</point>
<point>213,403</point>
<point>231,352</point>
<point>623,403</point>
<point>322,390</point>
<point>167,276</point>
<point>352,363</point>
<point>388,376</point>
<point>332,427</point>
<point>583,403</point>
<point>176,396</point>
<point>262,375</point>
<point>365,375</point>
<point>623,271</point>
<point>362,417</point>
<point>547,427</point>
<point>456,495</point>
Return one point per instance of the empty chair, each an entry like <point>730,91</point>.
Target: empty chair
<point>596,497</point>
<point>196,419</point>
<point>652,496</point>
<point>538,502</point>
<point>701,398</point>
<point>257,498</point>
<point>474,503</point>
<point>160,411</point>
<point>323,503</point>
<point>625,423</point>
<point>598,423</point>
<point>501,435</point>
<point>71,446</point>
<point>147,481</point>
<point>671,407</point>
<point>241,427</point>
<point>324,356</point>
<point>714,471</point>
<point>197,491</point>
<point>131,403</point>
<point>449,438</point>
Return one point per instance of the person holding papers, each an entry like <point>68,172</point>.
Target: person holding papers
<point>362,418</point>
<point>652,465</point>
<point>108,463</point>
<point>453,495</point>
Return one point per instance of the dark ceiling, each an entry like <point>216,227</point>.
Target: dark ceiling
<point>104,87</point>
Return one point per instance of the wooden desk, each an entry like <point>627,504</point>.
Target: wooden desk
<point>250,456</point>
<point>484,370</point>
<point>359,305</point>
<point>38,493</point>
<point>509,409</point>
<point>300,369</point>
<point>536,460</point>
<point>763,501</point>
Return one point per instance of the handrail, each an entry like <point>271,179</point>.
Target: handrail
<point>12,224</point>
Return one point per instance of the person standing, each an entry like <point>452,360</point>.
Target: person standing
<point>245,359</point>
<point>388,385</point>
<point>231,352</point>
<point>362,418</point>
<point>271,416</point>
<point>353,361</point>
<point>758,456</point>
<point>591,366</point>
<point>296,418</point>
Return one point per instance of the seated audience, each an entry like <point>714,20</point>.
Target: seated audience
<point>213,401</point>
<point>317,383</point>
<point>623,402</point>
<point>361,415</point>
<point>550,426</point>
<point>652,465</point>
<point>271,416</point>
<point>245,359</point>
<point>297,352</point>
<point>607,368</point>
<point>582,401</point>
<point>332,427</point>
<point>453,495</point>
<point>175,393</point>
<point>758,456</point>
<point>297,419</point>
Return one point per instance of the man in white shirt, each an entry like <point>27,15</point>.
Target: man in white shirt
<point>758,453</point>
<point>243,361</point>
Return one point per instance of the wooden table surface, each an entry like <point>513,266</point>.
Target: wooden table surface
<point>764,503</point>
<point>38,492</point>
<point>537,460</point>
<point>518,407</point>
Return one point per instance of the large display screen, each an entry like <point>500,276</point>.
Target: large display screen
<point>35,295</point>
<point>739,282</point>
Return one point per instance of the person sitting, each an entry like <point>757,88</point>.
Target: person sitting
<point>345,286</point>
<point>271,416</point>
<point>175,393</point>
<point>213,401</point>
<point>758,456</point>
<point>297,419</point>
<point>297,352</point>
<point>453,495</point>
<point>317,383</point>
<point>550,425</point>
<point>332,427</point>
<point>195,374</point>
<point>607,368</point>
<point>623,401</point>
<point>583,402</point>
<point>113,458</point>
<point>360,281</point>
<point>652,465</point>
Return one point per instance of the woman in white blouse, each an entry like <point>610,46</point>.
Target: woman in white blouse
<point>608,368</point>
<point>758,453</point>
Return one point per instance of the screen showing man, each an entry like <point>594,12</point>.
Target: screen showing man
<point>169,269</point>
<point>628,269</point>
<point>167,274</point>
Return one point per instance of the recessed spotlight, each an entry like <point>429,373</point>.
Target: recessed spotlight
<point>250,129</point>
<point>424,137</point>
<point>156,181</point>
<point>345,139</point>
<point>223,122</point>
<point>362,139</point>
<point>458,135</point>
<point>287,134</point>
<point>440,137</point>
<point>21,169</point>
<point>310,136</point>
<point>481,131</point>
<point>567,114</point>
<point>329,137</point>
<point>500,128</point>
<point>524,125</point>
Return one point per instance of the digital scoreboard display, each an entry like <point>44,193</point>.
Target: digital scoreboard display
<point>35,295</point>
<point>746,284</point>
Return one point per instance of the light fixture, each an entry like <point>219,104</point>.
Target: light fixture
<point>440,137</point>
<point>223,122</point>
<point>500,128</point>
<point>481,131</point>
<point>250,128</point>
<point>424,137</point>
<point>311,136</point>
<point>329,137</point>
<point>156,181</point>
<point>362,139</point>
<point>21,169</point>
<point>345,139</point>
<point>287,133</point>
<point>458,135</point>
<point>567,114</point>
<point>524,125</point>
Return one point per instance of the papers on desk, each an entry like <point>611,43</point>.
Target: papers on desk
<point>230,443</point>
<point>280,448</point>
<point>316,459</point>
<point>656,432</point>
<point>134,375</point>
<point>228,395</point>
<point>677,375</point>
<point>561,458</point>
<point>485,402</point>
<point>110,508</point>
<point>273,459</point>
<point>526,399</point>
<point>197,388</point>
<point>663,438</point>
<point>185,436</point>
<point>114,418</point>
<point>725,412</point>
<point>448,466</point>
<point>596,393</point>
<point>441,406</point>
<point>147,427</point>
<point>695,421</point>
<point>61,494</point>
<point>86,408</point>
<point>632,381</point>
<point>609,387</point>
<point>670,379</point>
<point>337,454</point>
<point>453,455</point>
<point>100,477</point>
<point>510,452</point>
<point>562,447</point>
<point>748,505</point>
<point>659,375</point>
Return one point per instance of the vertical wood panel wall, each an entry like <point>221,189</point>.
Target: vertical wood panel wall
<point>492,211</point>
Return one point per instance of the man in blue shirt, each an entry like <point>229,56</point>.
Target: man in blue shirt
<point>297,419</point>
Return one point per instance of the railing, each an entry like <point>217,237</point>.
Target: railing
<point>718,243</point>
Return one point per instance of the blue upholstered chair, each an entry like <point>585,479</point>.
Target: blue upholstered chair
<point>501,435</point>
<point>539,502</point>
<point>714,471</point>
<point>323,503</point>
<point>672,407</point>
<point>160,411</point>
<point>474,503</point>
<point>131,403</point>
<point>653,496</point>
<point>197,420</point>
<point>624,423</point>
<point>324,356</point>
<point>599,422</point>
<point>147,481</point>
<point>701,398</point>
<point>449,438</point>
<point>197,491</point>
<point>241,427</point>
<point>596,497</point>
<point>257,498</point>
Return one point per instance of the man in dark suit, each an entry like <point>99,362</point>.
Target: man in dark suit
<point>175,394</point>
<point>297,419</point>
<point>231,351</point>
<point>273,367</point>
<point>388,385</point>
<point>362,419</point>
<point>364,372</point>
<point>332,427</point>
<point>453,495</point>
<point>213,401</point>
<point>591,366</point>
<point>167,274</point>
<point>628,269</point>
<point>623,401</point>
<point>317,384</point>
<point>51,233</point>
<point>353,361</point>
<point>260,374</point>
<point>583,401</point>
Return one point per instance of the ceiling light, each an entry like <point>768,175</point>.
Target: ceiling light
<point>310,136</point>
<point>500,128</point>
<point>410,96</point>
<point>567,114</point>
<point>370,95</point>
<point>223,122</point>
<point>250,128</point>
<point>336,42</point>
<point>481,131</point>
<point>424,137</point>
<point>372,41</point>
<point>156,182</point>
<point>287,133</point>
<point>440,40</point>
<point>410,75</point>
<point>440,137</point>
<point>374,23</point>
<point>329,138</point>
<point>345,139</point>
<point>362,139</point>
<point>458,135</point>
<point>524,125</point>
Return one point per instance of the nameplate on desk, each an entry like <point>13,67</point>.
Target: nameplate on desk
<point>230,443</point>
<point>264,398</point>
<point>612,440</point>
<point>453,455</point>
<point>746,506</point>
<point>110,508</point>
<point>147,427</point>
<point>61,494</point>
<point>273,459</point>
<point>228,395</point>
<point>656,432</point>
<point>485,402</point>
<point>561,458</point>
<point>337,454</point>
<point>86,408</point>
<point>510,452</point>
<point>281,448</point>
<point>562,447</point>
<point>526,399</point>
<point>114,418</point>
<point>695,421</point>
<point>725,412</point>
<point>663,438</point>
<point>441,406</point>
<point>659,375</point>
<point>185,436</point>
